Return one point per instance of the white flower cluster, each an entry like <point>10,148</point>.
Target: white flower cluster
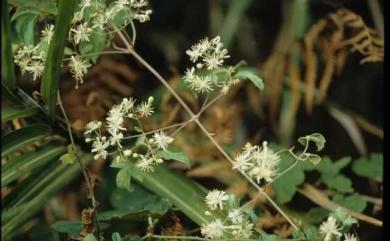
<point>336,225</point>
<point>93,19</point>
<point>115,123</point>
<point>237,222</point>
<point>209,55</point>
<point>260,163</point>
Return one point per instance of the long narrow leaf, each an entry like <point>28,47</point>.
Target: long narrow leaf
<point>7,63</point>
<point>12,219</point>
<point>29,161</point>
<point>21,137</point>
<point>12,112</point>
<point>181,192</point>
<point>51,75</point>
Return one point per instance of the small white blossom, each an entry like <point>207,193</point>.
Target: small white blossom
<point>216,198</point>
<point>115,138</point>
<point>235,216</point>
<point>47,33</point>
<point>145,164</point>
<point>329,229</point>
<point>85,3</point>
<point>350,237</point>
<point>143,16</point>
<point>81,33</point>
<point>92,126</point>
<point>115,119</point>
<point>99,146</point>
<point>78,68</point>
<point>213,230</point>
<point>162,140</point>
<point>242,230</point>
<point>145,108</point>
<point>36,68</point>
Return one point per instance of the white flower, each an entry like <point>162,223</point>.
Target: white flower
<point>99,146</point>
<point>215,198</point>
<point>115,119</point>
<point>92,126</point>
<point>145,108</point>
<point>122,3</point>
<point>194,53</point>
<point>81,33</point>
<point>242,230</point>
<point>78,68</point>
<point>115,138</point>
<point>162,140</point>
<point>143,16</point>
<point>242,161</point>
<point>235,216</point>
<point>138,3</point>
<point>36,68</point>
<point>329,229</point>
<point>213,61</point>
<point>213,230</point>
<point>47,33</point>
<point>350,237</point>
<point>145,164</point>
<point>85,3</point>
<point>127,104</point>
<point>189,75</point>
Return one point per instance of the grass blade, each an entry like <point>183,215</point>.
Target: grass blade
<point>51,75</point>
<point>7,66</point>
<point>29,161</point>
<point>21,137</point>
<point>12,112</point>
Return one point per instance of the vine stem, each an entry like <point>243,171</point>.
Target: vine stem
<point>82,166</point>
<point>195,238</point>
<point>131,51</point>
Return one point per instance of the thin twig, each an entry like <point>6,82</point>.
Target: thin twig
<point>82,166</point>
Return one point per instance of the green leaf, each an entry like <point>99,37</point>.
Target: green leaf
<point>90,237</point>
<point>337,182</point>
<point>50,79</point>
<point>7,60</point>
<point>116,237</point>
<point>354,202</point>
<point>12,112</point>
<point>29,161</point>
<point>252,75</point>
<point>68,158</point>
<point>17,139</point>
<point>69,227</point>
<point>317,215</point>
<point>285,187</point>
<point>123,179</point>
<point>317,138</point>
<point>177,156</point>
<point>313,158</point>
<point>327,166</point>
<point>26,31</point>
<point>369,167</point>
<point>138,204</point>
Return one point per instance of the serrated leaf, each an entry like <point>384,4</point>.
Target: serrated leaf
<point>354,202</point>
<point>369,167</point>
<point>327,166</point>
<point>317,215</point>
<point>252,75</point>
<point>123,179</point>
<point>177,156</point>
<point>285,187</point>
<point>337,182</point>
<point>317,138</point>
